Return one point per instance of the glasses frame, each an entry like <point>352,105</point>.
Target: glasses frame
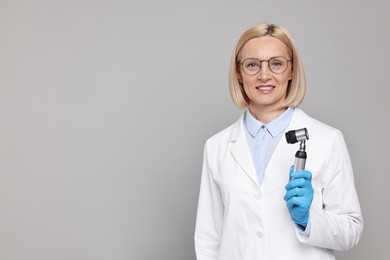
<point>261,62</point>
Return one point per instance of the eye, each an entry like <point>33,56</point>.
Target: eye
<point>251,64</point>
<point>276,63</point>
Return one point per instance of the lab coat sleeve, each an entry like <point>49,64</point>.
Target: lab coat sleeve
<point>210,214</point>
<point>338,224</point>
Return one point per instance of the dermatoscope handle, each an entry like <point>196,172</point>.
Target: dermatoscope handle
<point>300,161</point>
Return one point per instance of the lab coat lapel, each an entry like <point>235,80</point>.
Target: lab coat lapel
<point>240,151</point>
<point>279,164</point>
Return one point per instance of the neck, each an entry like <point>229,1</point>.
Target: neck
<point>265,115</point>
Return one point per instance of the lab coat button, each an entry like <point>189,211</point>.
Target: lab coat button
<point>259,234</point>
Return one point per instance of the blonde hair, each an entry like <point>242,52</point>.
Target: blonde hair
<point>296,89</point>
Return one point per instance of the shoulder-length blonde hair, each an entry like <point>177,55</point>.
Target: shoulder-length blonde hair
<point>296,89</point>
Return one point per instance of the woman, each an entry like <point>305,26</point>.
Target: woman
<point>252,205</point>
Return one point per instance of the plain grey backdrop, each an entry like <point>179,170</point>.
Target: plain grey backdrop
<point>105,107</point>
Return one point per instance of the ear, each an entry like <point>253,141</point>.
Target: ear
<point>239,77</point>
<point>291,75</point>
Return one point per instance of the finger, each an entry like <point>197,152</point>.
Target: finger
<point>301,174</point>
<point>297,183</point>
<point>296,192</point>
<point>291,203</point>
<point>299,203</point>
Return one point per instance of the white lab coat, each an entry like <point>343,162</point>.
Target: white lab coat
<point>238,220</point>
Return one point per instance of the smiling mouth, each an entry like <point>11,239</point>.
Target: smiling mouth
<point>265,88</point>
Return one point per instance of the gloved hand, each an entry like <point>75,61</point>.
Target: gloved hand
<point>299,196</point>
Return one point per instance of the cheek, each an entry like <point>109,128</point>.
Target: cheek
<point>247,85</point>
<point>247,80</point>
<point>283,80</point>
<point>248,90</point>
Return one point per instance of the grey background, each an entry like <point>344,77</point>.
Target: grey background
<point>105,107</point>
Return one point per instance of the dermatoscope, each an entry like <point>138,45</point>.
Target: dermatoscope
<point>294,136</point>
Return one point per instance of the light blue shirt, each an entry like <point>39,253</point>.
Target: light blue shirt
<point>263,138</point>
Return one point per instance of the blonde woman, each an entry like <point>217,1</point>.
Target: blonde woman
<point>252,205</point>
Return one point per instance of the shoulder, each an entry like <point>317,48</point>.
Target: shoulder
<point>320,133</point>
<point>313,125</point>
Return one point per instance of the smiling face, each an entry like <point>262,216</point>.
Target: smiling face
<point>265,90</point>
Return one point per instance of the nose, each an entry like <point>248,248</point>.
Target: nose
<point>264,73</point>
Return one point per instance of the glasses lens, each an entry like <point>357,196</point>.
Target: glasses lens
<point>278,64</point>
<point>251,66</point>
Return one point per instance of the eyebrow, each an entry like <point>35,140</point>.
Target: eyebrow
<point>288,58</point>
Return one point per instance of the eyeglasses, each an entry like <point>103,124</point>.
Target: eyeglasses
<point>277,65</point>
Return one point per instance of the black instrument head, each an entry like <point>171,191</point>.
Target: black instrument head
<point>294,136</point>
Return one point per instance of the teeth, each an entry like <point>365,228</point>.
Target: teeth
<point>265,87</point>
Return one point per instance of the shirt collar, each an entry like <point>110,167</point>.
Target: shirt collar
<point>275,127</point>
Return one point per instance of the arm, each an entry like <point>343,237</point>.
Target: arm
<point>209,216</point>
<point>338,225</point>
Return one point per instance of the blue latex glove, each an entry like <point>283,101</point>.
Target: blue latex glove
<point>299,196</point>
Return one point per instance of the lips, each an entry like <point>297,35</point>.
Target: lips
<point>265,88</point>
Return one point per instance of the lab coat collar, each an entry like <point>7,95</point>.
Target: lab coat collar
<point>275,127</point>
<point>240,149</point>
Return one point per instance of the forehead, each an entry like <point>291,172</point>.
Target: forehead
<point>264,47</point>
